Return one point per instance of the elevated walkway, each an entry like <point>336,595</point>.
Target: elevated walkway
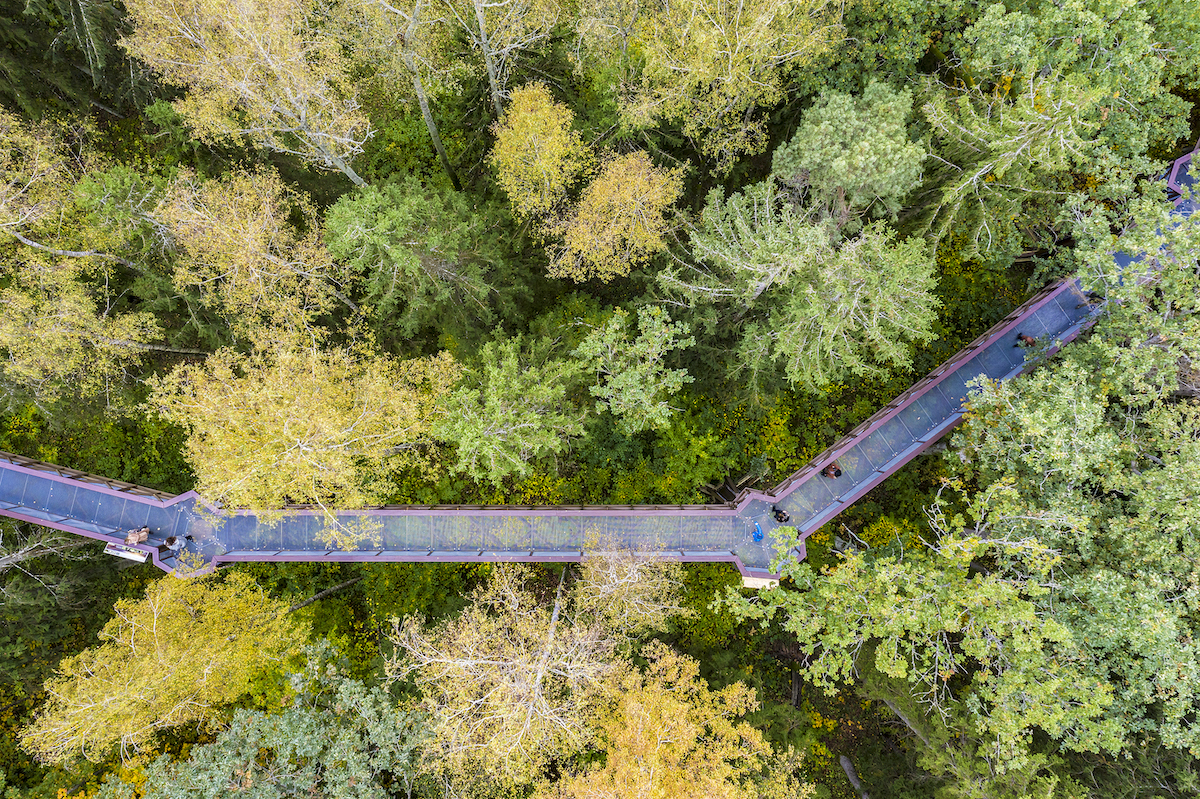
<point>737,532</point>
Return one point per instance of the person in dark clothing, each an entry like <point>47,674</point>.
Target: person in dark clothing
<point>781,516</point>
<point>175,544</point>
<point>1025,341</point>
<point>832,470</point>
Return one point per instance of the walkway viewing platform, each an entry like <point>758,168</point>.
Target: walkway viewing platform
<point>737,532</point>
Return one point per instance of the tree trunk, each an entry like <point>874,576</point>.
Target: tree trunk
<point>488,59</point>
<point>419,87</point>
<point>848,767</point>
<point>74,253</point>
<point>317,597</point>
<point>541,673</point>
<point>349,172</point>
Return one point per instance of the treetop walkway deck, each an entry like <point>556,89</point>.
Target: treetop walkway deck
<point>737,532</point>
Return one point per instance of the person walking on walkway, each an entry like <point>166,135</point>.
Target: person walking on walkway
<point>833,470</point>
<point>1025,341</point>
<point>781,516</point>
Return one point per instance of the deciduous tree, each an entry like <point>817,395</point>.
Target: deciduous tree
<point>619,222</point>
<point>302,424</point>
<point>21,546</point>
<point>258,69</point>
<point>335,737</point>
<point>172,657</point>
<point>668,734</point>
<point>60,340</point>
<point>501,30</point>
<point>236,243</point>
<point>510,683</point>
<point>630,593</point>
<point>710,65</point>
<point>537,155</point>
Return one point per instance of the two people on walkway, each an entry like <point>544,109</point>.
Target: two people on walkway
<point>833,470</point>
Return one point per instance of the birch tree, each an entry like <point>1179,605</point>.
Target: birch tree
<point>60,340</point>
<point>501,30</point>
<point>629,593</point>
<point>34,171</point>
<point>709,65</point>
<point>509,684</point>
<point>172,657</point>
<point>21,546</point>
<point>258,69</point>
<point>301,424</point>
<point>408,42</point>
<point>666,733</point>
<point>537,155</point>
<point>620,221</point>
<point>237,246</point>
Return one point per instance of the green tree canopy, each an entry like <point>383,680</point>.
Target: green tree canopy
<point>853,154</point>
<point>335,737</point>
<point>823,309</point>
<point>425,256</point>
<point>633,382</point>
<point>511,407</point>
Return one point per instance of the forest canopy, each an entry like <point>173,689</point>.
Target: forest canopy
<point>354,252</point>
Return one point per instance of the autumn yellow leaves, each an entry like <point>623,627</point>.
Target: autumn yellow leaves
<point>619,218</point>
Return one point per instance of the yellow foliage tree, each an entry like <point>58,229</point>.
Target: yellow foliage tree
<point>710,63</point>
<point>509,683</point>
<point>668,736</point>
<point>620,220</point>
<point>302,424</point>
<point>536,155</point>
<point>33,172</point>
<point>172,657</point>
<point>237,246</point>
<point>254,68</point>
<point>58,340</point>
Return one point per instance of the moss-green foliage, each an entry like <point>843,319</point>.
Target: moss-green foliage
<point>356,619</point>
<point>401,146</point>
<point>140,449</point>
